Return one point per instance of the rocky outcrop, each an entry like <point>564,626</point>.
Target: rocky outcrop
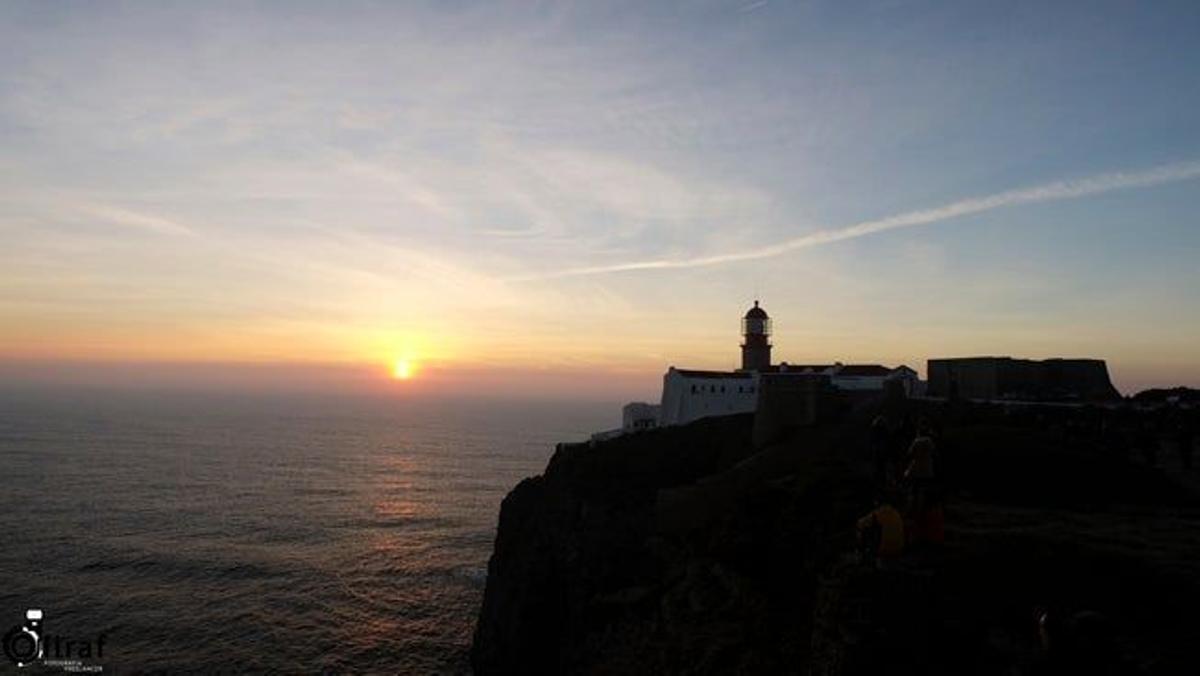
<point>669,551</point>
<point>684,550</point>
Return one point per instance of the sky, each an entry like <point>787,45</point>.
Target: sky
<point>568,198</point>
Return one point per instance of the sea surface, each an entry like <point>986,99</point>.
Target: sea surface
<point>262,533</point>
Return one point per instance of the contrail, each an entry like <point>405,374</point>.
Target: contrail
<point>1058,190</point>
<point>135,219</point>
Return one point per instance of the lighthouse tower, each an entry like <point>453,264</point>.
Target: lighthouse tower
<point>756,343</point>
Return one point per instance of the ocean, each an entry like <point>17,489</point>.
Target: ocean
<point>259,533</point>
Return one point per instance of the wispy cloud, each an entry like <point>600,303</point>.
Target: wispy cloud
<point>138,220</point>
<point>1058,190</point>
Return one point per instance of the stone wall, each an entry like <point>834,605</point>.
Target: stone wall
<point>1021,379</point>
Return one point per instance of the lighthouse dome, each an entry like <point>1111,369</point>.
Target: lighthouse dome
<point>756,312</point>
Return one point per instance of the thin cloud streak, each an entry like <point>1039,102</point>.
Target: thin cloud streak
<point>1058,190</point>
<point>139,221</point>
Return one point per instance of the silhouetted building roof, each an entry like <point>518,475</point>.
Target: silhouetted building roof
<point>689,373</point>
<point>789,368</point>
<point>864,370</point>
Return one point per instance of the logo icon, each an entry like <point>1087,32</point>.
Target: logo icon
<point>23,643</point>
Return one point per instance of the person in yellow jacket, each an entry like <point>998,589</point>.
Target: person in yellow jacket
<point>881,533</point>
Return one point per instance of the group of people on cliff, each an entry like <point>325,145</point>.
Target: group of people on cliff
<point>907,462</point>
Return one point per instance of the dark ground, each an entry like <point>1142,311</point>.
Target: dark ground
<point>685,551</point>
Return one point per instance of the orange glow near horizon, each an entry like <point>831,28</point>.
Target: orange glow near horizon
<point>402,369</point>
<point>567,351</point>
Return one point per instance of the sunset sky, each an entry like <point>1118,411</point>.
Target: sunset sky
<point>573,196</point>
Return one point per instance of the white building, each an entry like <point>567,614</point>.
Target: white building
<point>638,416</point>
<point>688,395</point>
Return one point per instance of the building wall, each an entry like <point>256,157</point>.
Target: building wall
<point>970,378</point>
<point>858,382</point>
<point>1083,378</point>
<point>687,398</point>
<point>639,415</point>
<point>787,401</point>
<point>1021,379</point>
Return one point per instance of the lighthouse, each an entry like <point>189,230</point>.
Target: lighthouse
<point>756,343</point>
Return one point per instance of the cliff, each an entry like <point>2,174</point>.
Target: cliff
<point>686,550</point>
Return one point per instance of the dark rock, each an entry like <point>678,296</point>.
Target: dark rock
<point>683,550</point>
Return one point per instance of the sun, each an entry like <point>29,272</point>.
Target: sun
<point>402,369</point>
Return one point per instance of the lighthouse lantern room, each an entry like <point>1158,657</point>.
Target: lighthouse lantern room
<point>756,343</point>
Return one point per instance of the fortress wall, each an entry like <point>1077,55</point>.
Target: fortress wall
<point>1021,379</point>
